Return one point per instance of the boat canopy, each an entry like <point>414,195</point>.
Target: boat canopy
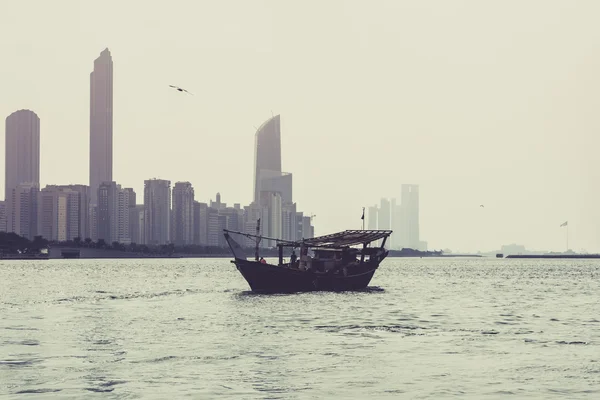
<point>334,240</point>
<point>345,238</point>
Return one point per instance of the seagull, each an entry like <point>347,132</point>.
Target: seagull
<point>180,89</point>
<point>481,205</point>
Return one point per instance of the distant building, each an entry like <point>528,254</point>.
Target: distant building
<point>307,228</point>
<point>107,212</point>
<point>372,216</point>
<point>101,123</point>
<point>267,151</point>
<point>126,199</point>
<point>83,216</point>
<point>114,211</point>
<point>157,204</point>
<point>58,213</point>
<point>82,197</point>
<point>384,218</point>
<point>22,150</point>
<point>200,223</point>
<point>251,216</point>
<point>299,225</point>
<point>93,220</point>
<point>136,224</point>
<point>212,227</point>
<point>288,220</point>
<point>396,226</point>
<point>409,225</point>
<point>233,219</point>
<point>509,249</point>
<point>2,216</point>
<point>183,214</point>
<point>22,163</point>
<point>217,204</point>
<point>22,218</point>
<point>275,182</point>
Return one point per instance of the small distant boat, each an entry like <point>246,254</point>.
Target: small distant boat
<point>499,255</point>
<point>335,265</point>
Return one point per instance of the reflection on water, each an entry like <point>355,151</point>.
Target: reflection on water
<point>425,328</point>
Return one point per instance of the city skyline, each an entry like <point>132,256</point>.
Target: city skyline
<point>106,211</point>
<point>474,119</point>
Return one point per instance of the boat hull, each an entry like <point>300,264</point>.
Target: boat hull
<point>266,278</point>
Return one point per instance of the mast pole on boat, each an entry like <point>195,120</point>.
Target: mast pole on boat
<point>363,219</point>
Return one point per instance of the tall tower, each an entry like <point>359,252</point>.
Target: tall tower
<point>267,151</point>
<point>101,123</point>
<point>157,211</point>
<point>22,167</point>
<point>22,161</point>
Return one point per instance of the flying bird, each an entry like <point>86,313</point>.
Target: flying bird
<point>180,89</point>
<point>481,205</point>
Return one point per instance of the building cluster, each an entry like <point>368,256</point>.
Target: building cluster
<point>402,218</point>
<point>103,210</point>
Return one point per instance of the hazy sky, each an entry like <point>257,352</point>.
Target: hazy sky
<point>479,102</point>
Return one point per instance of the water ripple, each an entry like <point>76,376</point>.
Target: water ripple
<point>430,328</point>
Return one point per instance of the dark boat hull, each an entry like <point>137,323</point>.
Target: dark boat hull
<point>266,278</point>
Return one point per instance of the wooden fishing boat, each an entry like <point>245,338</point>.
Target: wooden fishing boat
<point>341,261</point>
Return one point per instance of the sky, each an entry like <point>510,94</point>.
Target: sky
<point>478,102</point>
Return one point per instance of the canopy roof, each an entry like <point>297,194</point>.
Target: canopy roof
<point>334,240</point>
<point>345,238</point>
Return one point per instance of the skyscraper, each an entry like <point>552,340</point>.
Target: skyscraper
<point>267,151</point>
<point>372,217</point>
<point>101,123</point>
<point>22,161</point>
<point>183,214</point>
<point>384,215</point>
<point>275,182</point>
<point>157,211</point>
